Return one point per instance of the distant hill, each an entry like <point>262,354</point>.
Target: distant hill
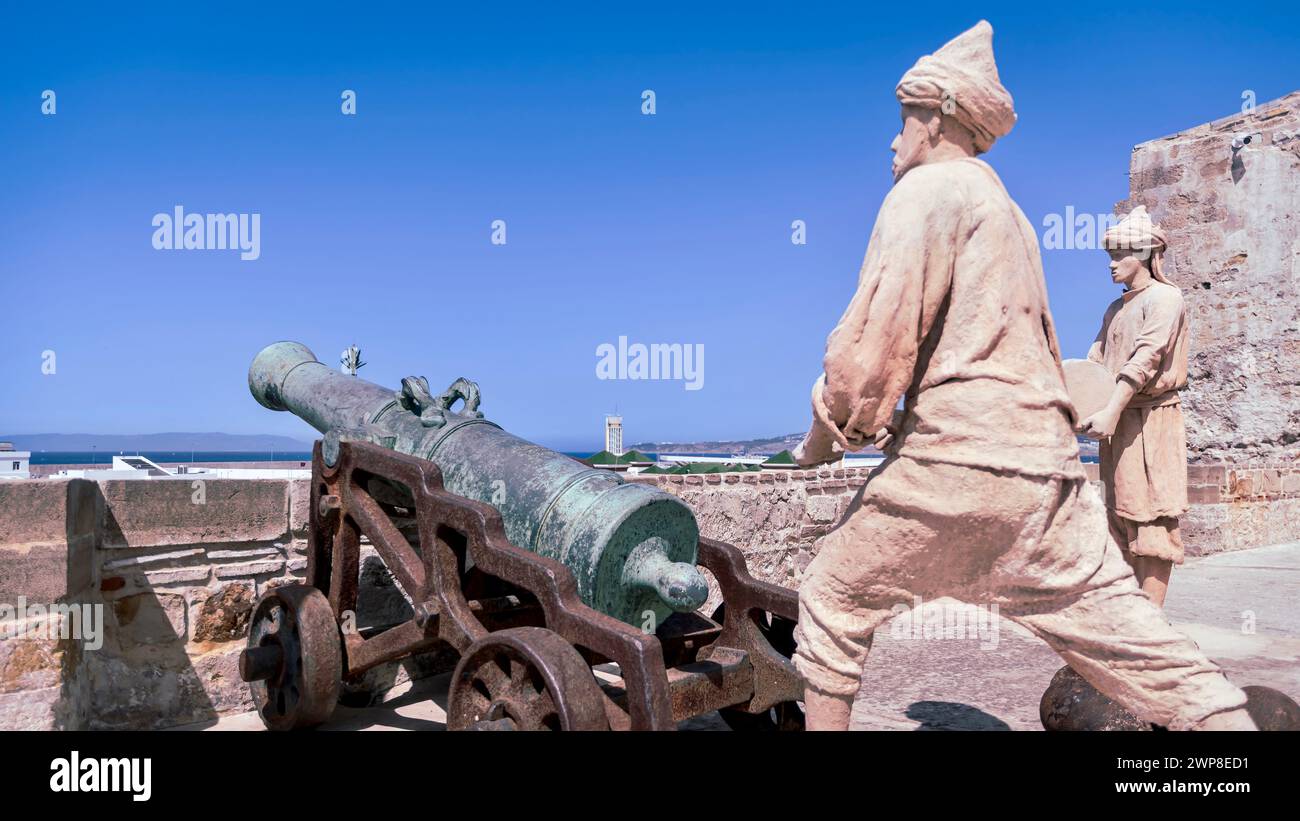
<point>107,443</point>
<point>773,444</point>
<point>776,444</point>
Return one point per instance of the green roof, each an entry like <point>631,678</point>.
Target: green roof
<point>785,457</point>
<point>654,469</point>
<point>633,456</point>
<point>711,467</point>
<point>602,458</point>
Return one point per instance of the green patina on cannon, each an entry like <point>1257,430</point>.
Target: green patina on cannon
<point>631,547</point>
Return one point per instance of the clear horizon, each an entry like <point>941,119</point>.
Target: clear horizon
<point>377,228</point>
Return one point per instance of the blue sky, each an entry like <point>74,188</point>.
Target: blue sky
<point>670,228</point>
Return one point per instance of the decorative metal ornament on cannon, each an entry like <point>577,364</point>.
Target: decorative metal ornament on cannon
<point>531,565</point>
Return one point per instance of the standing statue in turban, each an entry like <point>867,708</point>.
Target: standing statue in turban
<point>982,496</point>
<point>1143,342</point>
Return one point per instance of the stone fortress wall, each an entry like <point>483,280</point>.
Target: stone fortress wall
<point>1228,194</point>
<point>174,573</point>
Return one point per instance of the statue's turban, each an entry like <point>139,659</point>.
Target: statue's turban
<point>963,74</point>
<point>1137,232</point>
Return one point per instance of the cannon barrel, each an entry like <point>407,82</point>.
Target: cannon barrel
<point>631,547</point>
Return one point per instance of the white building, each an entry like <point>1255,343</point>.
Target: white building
<point>14,464</point>
<point>614,435</point>
<point>138,467</point>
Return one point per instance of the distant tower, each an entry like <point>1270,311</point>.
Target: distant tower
<point>614,435</point>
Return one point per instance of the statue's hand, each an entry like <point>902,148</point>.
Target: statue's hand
<point>816,449</point>
<point>1101,425</point>
<point>885,437</point>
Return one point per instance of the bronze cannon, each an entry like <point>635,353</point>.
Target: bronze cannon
<point>531,566</point>
<point>631,547</point>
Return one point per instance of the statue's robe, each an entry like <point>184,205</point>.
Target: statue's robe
<point>1143,340</point>
<point>982,496</point>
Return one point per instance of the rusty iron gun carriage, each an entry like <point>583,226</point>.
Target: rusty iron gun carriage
<point>533,567</point>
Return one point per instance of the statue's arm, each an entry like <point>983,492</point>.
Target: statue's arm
<point>871,355</point>
<point>1154,337</point>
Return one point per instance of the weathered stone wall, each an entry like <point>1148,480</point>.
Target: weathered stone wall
<point>773,516</point>
<point>1241,505</point>
<point>1233,217</point>
<point>172,568</point>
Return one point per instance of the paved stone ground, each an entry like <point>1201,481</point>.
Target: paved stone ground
<point>1240,608</point>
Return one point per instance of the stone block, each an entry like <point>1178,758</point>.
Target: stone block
<point>245,570</point>
<point>1207,475</point>
<point>823,509</point>
<point>299,506</point>
<point>34,512</point>
<point>205,511</point>
<point>179,575</point>
<point>149,619</point>
<point>216,673</point>
<point>222,614</point>
<point>1270,482</point>
<point>29,662</point>
<point>169,557</point>
<point>47,539</point>
<point>1241,483</point>
<point>31,709</point>
<point>147,687</point>
<point>1291,483</point>
<point>1204,494</point>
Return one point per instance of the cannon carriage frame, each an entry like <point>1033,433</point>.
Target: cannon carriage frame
<point>526,641</point>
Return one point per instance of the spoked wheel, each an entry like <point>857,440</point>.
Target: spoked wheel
<point>524,678</point>
<point>293,662</point>
<point>785,716</point>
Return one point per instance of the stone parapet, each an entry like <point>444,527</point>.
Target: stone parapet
<point>173,575</point>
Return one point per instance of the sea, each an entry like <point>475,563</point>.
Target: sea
<point>100,457</point>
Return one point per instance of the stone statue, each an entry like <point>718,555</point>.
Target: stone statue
<point>1143,343</point>
<point>982,496</point>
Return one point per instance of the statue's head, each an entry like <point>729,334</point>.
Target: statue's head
<point>923,131</point>
<point>1128,265</point>
<point>1136,246</point>
<point>953,96</point>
